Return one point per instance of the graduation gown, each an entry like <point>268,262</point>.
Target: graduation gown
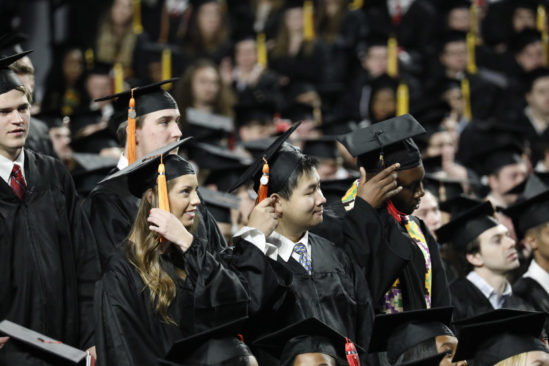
<point>385,252</point>
<point>531,292</point>
<point>111,209</point>
<point>335,292</point>
<point>129,330</point>
<point>469,301</point>
<point>48,262</point>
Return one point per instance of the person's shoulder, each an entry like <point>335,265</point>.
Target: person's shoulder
<point>523,286</point>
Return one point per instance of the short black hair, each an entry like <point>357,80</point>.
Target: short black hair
<point>305,165</point>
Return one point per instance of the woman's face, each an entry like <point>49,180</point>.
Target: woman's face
<point>537,358</point>
<point>121,12</point>
<point>383,104</point>
<point>183,197</point>
<point>448,344</point>
<point>209,18</point>
<point>294,20</point>
<point>205,85</point>
<point>72,66</point>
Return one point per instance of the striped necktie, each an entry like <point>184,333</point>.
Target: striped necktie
<point>17,181</point>
<point>304,260</point>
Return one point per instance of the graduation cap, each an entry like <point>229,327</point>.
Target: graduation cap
<point>532,207</point>
<point>149,98</point>
<point>220,204</point>
<point>142,174</point>
<point>431,164</point>
<point>83,118</point>
<point>249,114</point>
<point>42,343</point>
<point>451,36</point>
<point>467,225</point>
<point>442,188</point>
<point>307,336</point>
<point>386,142</point>
<point>256,147</point>
<point>490,316</point>
<point>94,142</point>
<point>168,57</point>
<point>282,159</point>
<point>532,76</point>
<point>334,189</point>
<point>210,347</point>
<point>494,153</point>
<point>524,38</point>
<point>377,39</point>
<point>198,3</point>
<point>214,157</point>
<point>490,342</point>
<point>396,333</point>
<point>459,204</point>
<point>426,361</point>
<point>206,126</point>
<point>10,43</point>
<point>91,169</point>
<point>8,78</point>
<point>298,112</point>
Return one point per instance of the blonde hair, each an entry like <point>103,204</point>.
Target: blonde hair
<point>143,250</point>
<point>516,360</point>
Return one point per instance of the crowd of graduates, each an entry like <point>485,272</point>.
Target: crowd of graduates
<point>278,182</point>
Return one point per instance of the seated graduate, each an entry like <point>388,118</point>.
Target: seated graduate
<point>530,216</point>
<point>487,253</point>
<point>162,284</point>
<point>111,208</point>
<point>413,335</point>
<point>503,338</point>
<point>218,346</point>
<point>399,256</point>
<point>309,342</point>
<point>326,283</point>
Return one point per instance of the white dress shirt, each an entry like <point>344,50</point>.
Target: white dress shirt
<point>6,166</point>
<point>276,245</point>
<point>488,291</point>
<point>122,162</point>
<point>538,274</point>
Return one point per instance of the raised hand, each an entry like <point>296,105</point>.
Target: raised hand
<point>170,227</point>
<point>380,188</point>
<point>263,217</point>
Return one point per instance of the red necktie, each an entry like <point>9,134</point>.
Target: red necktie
<point>17,181</point>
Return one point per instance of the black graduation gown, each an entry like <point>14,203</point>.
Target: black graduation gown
<point>128,329</point>
<point>111,209</point>
<point>469,301</point>
<point>48,263</point>
<point>335,292</point>
<point>385,252</point>
<point>531,292</point>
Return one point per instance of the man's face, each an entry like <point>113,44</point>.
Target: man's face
<point>26,73</point>
<point>14,122</point>
<point>61,138</point>
<point>459,19</point>
<point>98,86</point>
<point>497,251</point>
<point>375,61</point>
<point>246,54</point>
<point>304,208</point>
<point>540,242</point>
<point>531,57</point>
<point>508,177</point>
<point>538,97</point>
<point>411,180</point>
<point>454,57</point>
<point>159,129</point>
<point>523,18</point>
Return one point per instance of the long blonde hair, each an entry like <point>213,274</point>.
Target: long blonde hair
<point>143,250</point>
<point>516,360</point>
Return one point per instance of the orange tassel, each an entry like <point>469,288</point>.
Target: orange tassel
<point>163,200</point>
<point>263,182</point>
<point>130,138</point>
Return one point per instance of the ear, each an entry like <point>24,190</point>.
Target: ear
<point>531,241</point>
<point>149,196</point>
<point>277,203</point>
<point>493,182</point>
<point>475,259</point>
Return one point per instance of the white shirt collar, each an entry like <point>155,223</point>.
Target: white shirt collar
<point>6,166</point>
<point>122,162</point>
<point>538,274</point>
<point>286,246</point>
<point>488,291</point>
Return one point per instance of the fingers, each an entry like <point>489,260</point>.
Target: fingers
<point>362,175</point>
<point>393,192</point>
<point>387,172</point>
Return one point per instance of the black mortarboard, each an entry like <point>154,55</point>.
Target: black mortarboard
<point>10,43</point>
<point>459,204</point>
<point>142,174</point>
<point>443,188</point>
<point>396,333</point>
<point>206,126</point>
<point>307,336</point>
<point>149,98</point>
<point>427,361</point>
<point>282,159</point>
<point>198,3</point>
<point>256,147</point>
<point>334,189</point>
<point>43,344</point>
<point>467,226</point>
<point>298,112</point>
<point>213,157</point>
<point>151,52</point>
<point>496,153</point>
<point>290,4</point>
<point>210,347</point>
<point>248,114</point>
<point>100,68</point>
<point>532,76</point>
<point>220,204</point>
<point>431,164</point>
<point>524,38</point>
<point>449,37</point>
<point>392,137</point>
<point>8,79</point>
<point>377,39</point>
<point>455,4</point>
<point>532,207</point>
<point>83,118</point>
<point>321,147</point>
<point>490,316</point>
<point>95,142</point>
<point>525,4</point>
<point>490,342</point>
<point>91,169</point>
